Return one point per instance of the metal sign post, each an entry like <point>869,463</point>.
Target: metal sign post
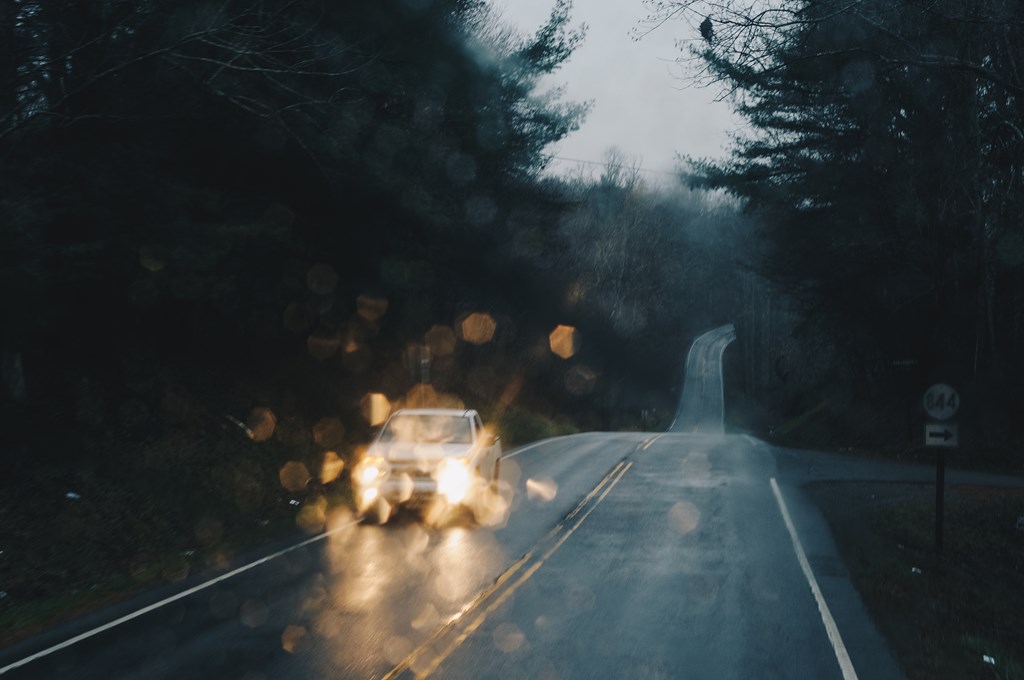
<point>941,402</point>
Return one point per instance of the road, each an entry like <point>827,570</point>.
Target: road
<point>702,404</point>
<point>685,554</point>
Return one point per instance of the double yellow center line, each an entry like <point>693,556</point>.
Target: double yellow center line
<point>426,658</point>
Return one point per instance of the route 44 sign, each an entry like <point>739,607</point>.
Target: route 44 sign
<point>941,402</point>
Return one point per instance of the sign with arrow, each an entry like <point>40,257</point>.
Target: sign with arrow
<point>941,434</point>
<point>941,402</point>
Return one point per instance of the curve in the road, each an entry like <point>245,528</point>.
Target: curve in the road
<point>702,404</point>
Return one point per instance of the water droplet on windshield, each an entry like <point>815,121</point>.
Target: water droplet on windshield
<point>477,328</point>
<point>684,517</point>
<point>580,380</point>
<point>253,613</point>
<point>564,341</point>
<point>261,422</point>
<point>331,467</point>
<point>375,408</point>
<point>371,307</point>
<point>543,489</point>
<point>440,340</point>
<point>294,476</point>
<point>291,638</point>
<point>329,433</point>
<point>322,344</point>
<point>508,638</point>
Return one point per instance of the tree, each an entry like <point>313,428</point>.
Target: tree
<point>211,206</point>
<point>166,165</point>
<point>654,264</point>
<point>879,162</point>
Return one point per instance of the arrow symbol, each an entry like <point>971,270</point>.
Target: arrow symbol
<point>945,434</point>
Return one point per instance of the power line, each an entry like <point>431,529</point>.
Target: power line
<point>580,160</point>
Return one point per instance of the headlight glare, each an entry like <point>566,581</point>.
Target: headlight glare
<point>453,480</point>
<point>370,471</point>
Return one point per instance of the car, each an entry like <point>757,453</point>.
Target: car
<point>437,458</point>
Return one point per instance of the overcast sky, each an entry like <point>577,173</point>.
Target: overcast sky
<point>638,104</point>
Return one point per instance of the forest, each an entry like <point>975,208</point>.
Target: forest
<point>881,177</point>
<point>234,230</point>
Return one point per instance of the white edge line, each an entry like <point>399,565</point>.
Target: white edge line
<point>173,598</point>
<point>721,376</point>
<point>686,371</point>
<point>524,449</point>
<point>845,665</point>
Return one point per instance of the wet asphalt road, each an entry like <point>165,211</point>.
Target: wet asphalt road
<point>702,403</point>
<point>629,555</point>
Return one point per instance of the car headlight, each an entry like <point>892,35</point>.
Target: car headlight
<point>453,480</point>
<point>370,471</point>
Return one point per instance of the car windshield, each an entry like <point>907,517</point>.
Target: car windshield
<point>512,338</point>
<point>427,429</point>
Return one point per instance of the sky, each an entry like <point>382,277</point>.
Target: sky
<point>639,103</point>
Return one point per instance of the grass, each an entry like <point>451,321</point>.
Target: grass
<point>941,615</point>
<point>520,426</point>
<point>100,585</point>
<point>24,619</point>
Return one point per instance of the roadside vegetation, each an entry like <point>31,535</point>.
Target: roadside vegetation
<point>943,615</point>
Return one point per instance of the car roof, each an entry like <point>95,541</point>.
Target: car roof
<point>456,412</point>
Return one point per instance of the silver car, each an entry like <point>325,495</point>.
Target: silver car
<point>427,457</point>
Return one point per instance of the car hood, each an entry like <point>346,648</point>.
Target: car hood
<point>420,453</point>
